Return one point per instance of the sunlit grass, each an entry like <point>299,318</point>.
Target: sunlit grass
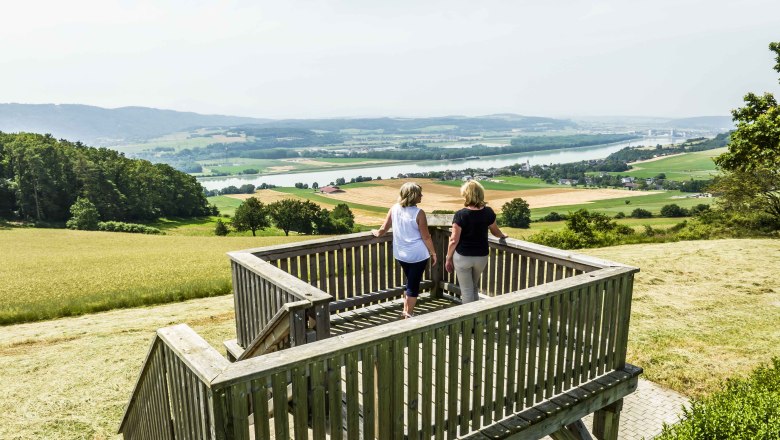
<point>48,273</point>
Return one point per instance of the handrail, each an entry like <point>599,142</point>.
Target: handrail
<point>279,361</point>
<point>181,366</point>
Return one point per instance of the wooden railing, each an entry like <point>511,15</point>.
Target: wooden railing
<point>172,398</point>
<point>439,375</point>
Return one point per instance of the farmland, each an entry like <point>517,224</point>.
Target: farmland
<point>696,166</point>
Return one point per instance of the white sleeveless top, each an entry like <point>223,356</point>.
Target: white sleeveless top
<point>408,245</point>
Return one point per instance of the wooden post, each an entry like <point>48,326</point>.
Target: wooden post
<point>437,270</point>
<point>606,421</point>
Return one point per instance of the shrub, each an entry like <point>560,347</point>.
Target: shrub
<point>442,211</point>
<point>221,228</point>
<point>673,210</point>
<point>620,215</point>
<point>132,228</point>
<point>641,213</point>
<point>84,215</point>
<point>744,409</point>
<point>516,213</point>
<point>553,217</point>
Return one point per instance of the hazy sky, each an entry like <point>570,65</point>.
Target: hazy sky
<point>395,57</point>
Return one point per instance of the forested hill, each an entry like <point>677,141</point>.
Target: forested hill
<point>102,126</point>
<point>41,177</point>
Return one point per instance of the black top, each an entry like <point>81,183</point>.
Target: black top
<point>474,229</point>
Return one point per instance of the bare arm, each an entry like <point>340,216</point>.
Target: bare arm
<point>425,234</point>
<point>496,231</point>
<point>454,240</point>
<point>386,225</point>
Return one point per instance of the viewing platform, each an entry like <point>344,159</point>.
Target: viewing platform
<point>321,350</point>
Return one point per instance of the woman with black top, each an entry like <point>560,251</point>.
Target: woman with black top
<point>467,253</point>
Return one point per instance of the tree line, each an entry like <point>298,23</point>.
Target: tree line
<point>302,216</point>
<point>41,178</point>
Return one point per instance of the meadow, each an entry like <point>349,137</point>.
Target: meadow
<point>696,166</point>
<point>49,273</point>
<point>702,312</point>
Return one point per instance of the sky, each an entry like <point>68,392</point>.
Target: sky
<point>403,58</point>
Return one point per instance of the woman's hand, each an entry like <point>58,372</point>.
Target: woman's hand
<point>433,259</point>
<point>376,233</point>
<point>449,265</point>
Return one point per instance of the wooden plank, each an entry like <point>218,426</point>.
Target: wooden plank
<point>260,409</point>
<point>522,356</point>
<point>563,319</point>
<point>383,265</point>
<point>374,257</point>
<point>544,333</point>
<point>334,398</point>
<point>412,383</point>
<point>595,356</point>
<point>369,393</point>
<point>465,376</point>
<point>549,275</point>
<point>606,322</point>
<point>614,322</point>
<point>440,384</point>
<point>322,262</point>
<point>554,366</point>
<point>524,282</point>
<point>349,272</point>
<point>332,270</point>
<point>357,267</point>
<point>572,297</point>
<point>398,381</point>
<point>625,317</point>
<point>427,383</point>
<point>511,365</point>
<point>319,387</point>
<point>540,271</point>
<point>453,362</point>
<point>385,391</point>
<point>499,401</point>
<point>281,425</point>
<point>530,388</point>
<point>478,385</point>
<point>579,342</point>
<point>341,274</point>
<point>352,376</point>
<point>489,366</point>
<point>373,297</point>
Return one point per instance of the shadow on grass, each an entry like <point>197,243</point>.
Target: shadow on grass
<point>172,223</point>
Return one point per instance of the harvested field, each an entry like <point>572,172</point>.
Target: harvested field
<point>446,197</point>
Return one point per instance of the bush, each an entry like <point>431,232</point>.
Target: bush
<point>221,228</point>
<point>516,213</point>
<point>84,215</point>
<point>673,210</point>
<point>132,228</point>
<point>744,409</point>
<point>620,215</point>
<point>641,213</point>
<point>442,211</point>
<point>553,217</point>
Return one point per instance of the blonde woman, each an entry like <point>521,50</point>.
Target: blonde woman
<point>412,244</point>
<point>467,252</point>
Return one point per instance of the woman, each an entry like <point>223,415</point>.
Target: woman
<point>412,244</point>
<point>468,249</point>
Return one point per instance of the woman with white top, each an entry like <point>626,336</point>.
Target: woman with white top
<point>412,244</point>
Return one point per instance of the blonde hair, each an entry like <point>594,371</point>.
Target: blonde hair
<point>410,192</point>
<point>473,194</point>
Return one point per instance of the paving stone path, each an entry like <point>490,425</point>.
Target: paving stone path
<point>646,410</point>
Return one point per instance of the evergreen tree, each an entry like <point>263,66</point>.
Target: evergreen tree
<point>221,228</point>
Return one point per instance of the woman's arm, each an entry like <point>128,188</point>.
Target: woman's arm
<point>496,231</point>
<point>454,240</point>
<point>386,225</point>
<point>425,234</point>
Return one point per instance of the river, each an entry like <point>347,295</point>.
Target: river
<point>387,171</point>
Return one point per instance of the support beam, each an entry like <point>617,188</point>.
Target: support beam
<point>607,420</point>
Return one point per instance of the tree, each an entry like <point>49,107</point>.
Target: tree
<point>294,215</point>
<point>341,181</point>
<point>221,228</point>
<point>751,179</point>
<point>341,213</point>
<point>84,215</point>
<point>517,213</point>
<point>673,210</point>
<point>250,215</point>
<point>641,213</point>
<point>315,185</point>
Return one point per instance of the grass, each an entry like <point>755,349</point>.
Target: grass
<point>50,273</point>
<point>510,183</point>
<point>696,166</point>
<point>322,200</point>
<point>651,202</point>
<point>702,312</point>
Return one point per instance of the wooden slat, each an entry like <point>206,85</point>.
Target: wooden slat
<point>349,272</point>
<point>572,297</point>
<point>332,273</point>
<point>544,329</point>
<point>281,425</point>
<point>466,376</point>
<point>334,398</point>
<point>412,383</point>
<point>554,368</point>
<point>319,386</point>
<point>530,388</point>
<point>340,274</point>
<point>477,387</point>
<point>606,322</point>
<point>453,360</point>
<point>427,384</point>
<point>260,409</point>
<point>511,365</point>
<point>368,367</point>
<point>440,384</point>
<point>595,357</point>
<point>353,377</point>
<point>398,381</point>
<point>499,401</point>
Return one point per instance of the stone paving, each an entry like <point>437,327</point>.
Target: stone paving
<point>646,410</point>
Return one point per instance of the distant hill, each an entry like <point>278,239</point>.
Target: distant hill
<point>101,126</point>
<point>720,123</point>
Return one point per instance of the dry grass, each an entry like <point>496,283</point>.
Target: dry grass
<point>703,311</point>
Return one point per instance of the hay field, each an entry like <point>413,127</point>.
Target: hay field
<point>436,196</point>
<point>48,273</point>
<point>702,311</point>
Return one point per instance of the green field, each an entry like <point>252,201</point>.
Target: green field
<point>179,141</point>
<point>696,166</point>
<point>650,202</point>
<point>48,273</point>
<point>329,202</point>
<point>510,183</point>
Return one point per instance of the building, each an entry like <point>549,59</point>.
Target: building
<point>330,189</point>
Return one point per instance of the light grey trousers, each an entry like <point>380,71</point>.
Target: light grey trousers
<point>469,270</point>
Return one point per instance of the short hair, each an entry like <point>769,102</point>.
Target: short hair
<point>473,194</point>
<point>409,194</point>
